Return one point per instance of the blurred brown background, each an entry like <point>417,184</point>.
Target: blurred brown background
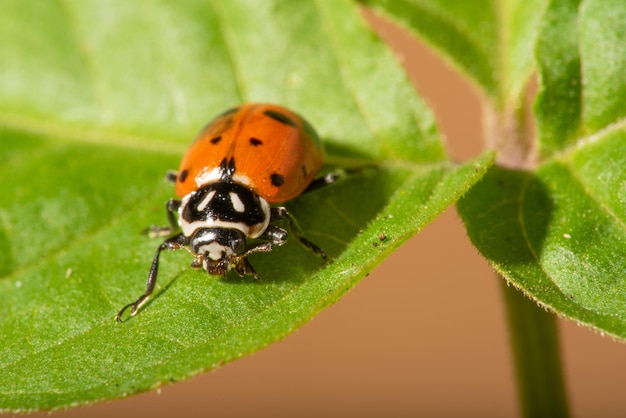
<point>394,346</point>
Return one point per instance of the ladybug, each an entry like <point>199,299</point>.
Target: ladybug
<point>245,161</point>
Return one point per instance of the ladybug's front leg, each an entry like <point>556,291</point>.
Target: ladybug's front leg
<point>171,207</point>
<point>279,213</point>
<point>273,236</point>
<point>320,182</point>
<point>174,243</point>
<point>332,177</point>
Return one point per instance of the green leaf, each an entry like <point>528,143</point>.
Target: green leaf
<point>603,50</point>
<point>559,103</point>
<point>489,41</point>
<point>98,100</point>
<point>559,234</point>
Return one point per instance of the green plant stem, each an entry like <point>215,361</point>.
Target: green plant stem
<point>535,343</point>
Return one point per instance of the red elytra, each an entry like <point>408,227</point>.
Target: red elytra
<point>275,152</point>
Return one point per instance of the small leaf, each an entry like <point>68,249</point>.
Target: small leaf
<point>603,51</point>
<point>559,234</point>
<point>489,41</point>
<point>559,103</point>
<point>98,100</point>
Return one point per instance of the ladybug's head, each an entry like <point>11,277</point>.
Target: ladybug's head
<point>217,246</point>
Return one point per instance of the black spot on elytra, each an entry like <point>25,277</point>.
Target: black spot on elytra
<point>182,176</point>
<point>304,170</point>
<point>277,179</point>
<point>255,142</point>
<point>216,140</point>
<point>280,117</point>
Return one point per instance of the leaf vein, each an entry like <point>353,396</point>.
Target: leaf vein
<point>593,197</point>
<point>593,137</point>
<point>522,224</point>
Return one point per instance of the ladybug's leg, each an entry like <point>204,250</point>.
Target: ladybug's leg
<point>273,236</point>
<point>172,207</point>
<point>243,267</point>
<point>171,176</point>
<point>154,231</point>
<point>320,182</point>
<point>279,213</point>
<point>174,243</point>
<point>241,263</point>
<point>332,177</point>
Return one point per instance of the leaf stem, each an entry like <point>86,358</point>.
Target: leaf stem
<point>510,130</point>
<point>535,346</point>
